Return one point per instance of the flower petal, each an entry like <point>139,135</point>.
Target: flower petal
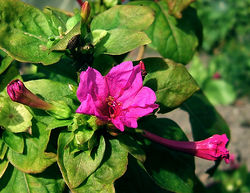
<point>89,107</point>
<point>124,79</point>
<point>118,124</point>
<point>93,83</point>
<point>92,93</point>
<point>130,122</point>
<point>142,104</point>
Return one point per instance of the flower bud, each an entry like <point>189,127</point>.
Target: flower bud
<point>19,93</point>
<point>143,69</point>
<point>85,11</point>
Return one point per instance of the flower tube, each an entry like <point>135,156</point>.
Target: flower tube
<point>212,148</point>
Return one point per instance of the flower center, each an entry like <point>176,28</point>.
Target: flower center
<point>114,106</point>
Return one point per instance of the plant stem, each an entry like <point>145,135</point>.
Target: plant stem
<point>140,53</point>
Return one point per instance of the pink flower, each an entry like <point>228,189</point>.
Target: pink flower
<point>119,97</point>
<point>212,148</point>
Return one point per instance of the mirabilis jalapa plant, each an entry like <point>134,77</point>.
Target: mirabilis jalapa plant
<point>84,115</point>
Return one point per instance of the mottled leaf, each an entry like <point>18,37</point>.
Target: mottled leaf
<point>25,32</point>
<point>14,116</point>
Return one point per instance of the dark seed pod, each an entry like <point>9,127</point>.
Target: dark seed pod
<point>74,42</point>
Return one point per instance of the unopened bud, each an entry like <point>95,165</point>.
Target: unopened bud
<point>85,11</point>
<point>143,69</point>
<point>19,93</point>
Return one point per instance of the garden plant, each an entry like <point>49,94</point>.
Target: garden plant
<point>76,114</point>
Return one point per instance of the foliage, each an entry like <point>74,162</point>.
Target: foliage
<point>231,180</point>
<point>226,50</point>
<point>48,49</point>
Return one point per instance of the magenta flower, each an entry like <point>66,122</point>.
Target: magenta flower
<point>119,97</point>
<point>212,148</point>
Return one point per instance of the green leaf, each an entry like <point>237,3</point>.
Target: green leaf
<point>3,166</point>
<point>63,43</point>
<point>132,147</point>
<point>10,74</point>
<point>137,180</point>
<point>3,149</point>
<point>52,91</point>
<point>219,92</point>
<point>77,167</point>
<point>177,6</point>
<point>124,25</point>
<point>171,82</point>
<point>131,17</point>
<point>15,181</point>
<point>48,89</point>
<point>204,118</point>
<point>14,116</point>
<point>62,71</point>
<point>172,38</point>
<point>119,41</point>
<point>113,166</point>
<point>97,36</point>
<point>14,141</point>
<point>34,158</point>
<point>25,31</point>
<point>172,170</point>
<point>103,63</point>
<point>56,17</point>
<point>6,61</point>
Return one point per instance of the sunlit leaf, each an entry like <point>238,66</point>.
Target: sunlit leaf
<point>77,167</point>
<point>171,82</point>
<point>14,116</point>
<point>15,181</point>
<point>34,158</point>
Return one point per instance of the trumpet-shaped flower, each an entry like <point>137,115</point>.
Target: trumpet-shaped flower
<point>119,97</point>
<point>212,148</point>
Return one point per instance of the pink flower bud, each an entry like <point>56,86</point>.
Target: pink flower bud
<point>212,148</point>
<point>143,69</point>
<point>19,93</point>
<point>85,11</point>
<point>217,75</point>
